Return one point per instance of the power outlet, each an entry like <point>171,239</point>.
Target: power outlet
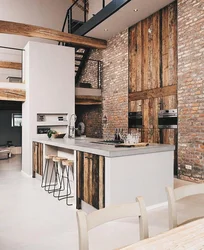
<point>189,167</point>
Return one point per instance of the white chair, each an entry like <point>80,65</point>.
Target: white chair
<point>177,194</point>
<point>87,222</point>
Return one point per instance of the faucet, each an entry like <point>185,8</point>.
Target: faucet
<point>71,130</point>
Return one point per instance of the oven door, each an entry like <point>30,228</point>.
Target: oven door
<point>167,122</point>
<point>135,120</point>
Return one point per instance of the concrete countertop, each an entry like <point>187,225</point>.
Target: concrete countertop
<point>85,145</point>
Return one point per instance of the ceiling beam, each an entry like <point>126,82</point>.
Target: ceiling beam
<point>153,93</point>
<point>21,29</point>
<point>10,65</point>
<point>12,95</point>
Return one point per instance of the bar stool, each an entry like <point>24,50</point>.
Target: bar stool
<point>66,165</point>
<point>55,170</point>
<point>48,158</point>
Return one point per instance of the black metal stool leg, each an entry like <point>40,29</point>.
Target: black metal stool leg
<point>61,181</point>
<point>68,188</point>
<point>50,185</point>
<point>44,173</point>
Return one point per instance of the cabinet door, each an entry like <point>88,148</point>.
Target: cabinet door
<point>37,158</point>
<point>90,179</point>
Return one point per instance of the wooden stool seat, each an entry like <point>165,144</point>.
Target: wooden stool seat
<point>49,157</point>
<point>68,163</point>
<point>59,159</point>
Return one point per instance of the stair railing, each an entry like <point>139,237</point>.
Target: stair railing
<point>84,6</point>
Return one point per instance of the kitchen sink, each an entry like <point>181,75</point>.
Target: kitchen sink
<point>108,142</point>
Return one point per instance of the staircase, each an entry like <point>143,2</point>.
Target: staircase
<point>81,54</point>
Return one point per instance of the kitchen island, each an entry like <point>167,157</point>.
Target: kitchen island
<point>106,175</point>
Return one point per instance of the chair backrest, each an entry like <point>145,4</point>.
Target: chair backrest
<point>88,221</point>
<point>177,194</point>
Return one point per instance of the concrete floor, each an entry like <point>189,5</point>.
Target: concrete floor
<point>31,219</point>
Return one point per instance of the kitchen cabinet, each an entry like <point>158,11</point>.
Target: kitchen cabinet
<point>90,179</point>
<point>37,159</point>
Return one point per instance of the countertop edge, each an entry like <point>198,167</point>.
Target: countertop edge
<point>107,151</point>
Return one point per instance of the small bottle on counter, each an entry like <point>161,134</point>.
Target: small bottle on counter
<point>116,135</point>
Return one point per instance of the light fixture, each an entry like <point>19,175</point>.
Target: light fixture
<point>105,29</point>
<point>135,10</point>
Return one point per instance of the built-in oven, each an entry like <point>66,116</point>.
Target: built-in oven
<point>135,119</point>
<point>167,119</point>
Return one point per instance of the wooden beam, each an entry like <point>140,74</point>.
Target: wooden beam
<point>153,93</point>
<point>50,34</point>
<point>88,100</point>
<point>12,94</point>
<point>10,65</point>
<point>87,103</point>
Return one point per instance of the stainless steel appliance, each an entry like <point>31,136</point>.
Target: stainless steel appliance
<point>167,119</point>
<point>135,119</point>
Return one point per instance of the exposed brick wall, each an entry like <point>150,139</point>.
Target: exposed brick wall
<point>90,72</point>
<point>114,85</point>
<point>91,116</point>
<point>191,89</point>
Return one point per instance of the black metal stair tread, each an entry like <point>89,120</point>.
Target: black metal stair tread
<point>77,21</point>
<point>78,59</point>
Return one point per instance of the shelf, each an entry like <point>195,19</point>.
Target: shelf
<point>62,123</point>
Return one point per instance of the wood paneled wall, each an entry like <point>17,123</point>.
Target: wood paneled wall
<point>90,179</point>
<point>152,66</point>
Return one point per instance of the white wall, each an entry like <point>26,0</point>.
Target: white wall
<point>49,80</point>
<point>45,13</point>
<point>96,6</point>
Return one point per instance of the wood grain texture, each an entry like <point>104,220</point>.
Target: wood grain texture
<point>12,94</point>
<point>155,63</point>
<point>37,158</point>
<point>50,34</point>
<point>88,100</point>
<point>10,65</point>
<point>90,180</point>
<point>187,237</point>
<point>153,93</point>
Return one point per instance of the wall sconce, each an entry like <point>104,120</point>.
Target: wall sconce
<point>104,119</point>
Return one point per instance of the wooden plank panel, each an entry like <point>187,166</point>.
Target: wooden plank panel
<point>144,65</point>
<point>153,93</point>
<point>101,182</point>
<point>79,178</point>
<point>91,185</point>
<point>157,66</point>
<point>139,57</point>
<point>86,178</point>
<point>12,94</point>
<point>150,51</point>
<point>95,201</point>
<point>50,34</point>
<point>10,65</point>
<point>132,64</point>
<point>139,67</point>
